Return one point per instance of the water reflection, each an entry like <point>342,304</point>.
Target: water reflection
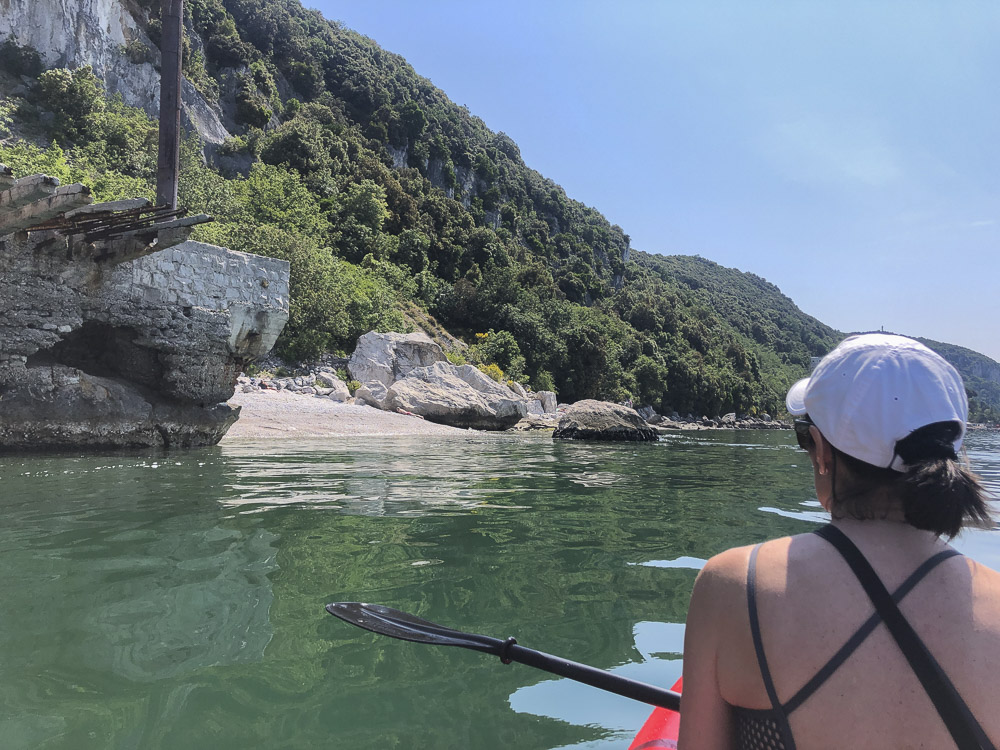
<point>397,476</point>
<point>168,602</point>
<point>124,578</point>
<point>689,563</point>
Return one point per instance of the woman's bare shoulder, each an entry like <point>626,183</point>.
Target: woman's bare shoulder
<point>729,565</point>
<point>729,568</point>
<point>985,580</point>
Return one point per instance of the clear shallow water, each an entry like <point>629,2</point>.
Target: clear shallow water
<point>176,601</point>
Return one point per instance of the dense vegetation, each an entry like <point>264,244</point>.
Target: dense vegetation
<point>396,206</point>
<point>982,379</point>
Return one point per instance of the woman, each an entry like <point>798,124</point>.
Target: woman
<point>784,647</point>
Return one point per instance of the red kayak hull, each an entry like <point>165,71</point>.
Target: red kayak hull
<point>661,728</point>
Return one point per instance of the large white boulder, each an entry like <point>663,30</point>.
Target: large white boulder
<point>387,357</point>
<point>457,396</point>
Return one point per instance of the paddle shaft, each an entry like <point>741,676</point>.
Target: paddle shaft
<point>395,623</point>
<point>598,678</point>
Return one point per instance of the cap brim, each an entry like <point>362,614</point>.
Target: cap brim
<point>795,401</point>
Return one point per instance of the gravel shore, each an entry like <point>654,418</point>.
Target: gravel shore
<point>271,414</point>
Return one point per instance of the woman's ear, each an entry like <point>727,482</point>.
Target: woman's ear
<point>822,453</point>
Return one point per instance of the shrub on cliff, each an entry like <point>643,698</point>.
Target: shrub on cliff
<point>18,60</point>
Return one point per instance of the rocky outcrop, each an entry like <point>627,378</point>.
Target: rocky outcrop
<point>602,420</point>
<point>329,385</point>
<point>386,357</point>
<point>763,422</point>
<point>115,342</point>
<point>457,396</point>
<point>410,373</point>
<point>321,384</point>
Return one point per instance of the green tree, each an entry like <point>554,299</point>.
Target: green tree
<point>72,96</point>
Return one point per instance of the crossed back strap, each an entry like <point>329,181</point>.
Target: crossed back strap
<point>957,717</point>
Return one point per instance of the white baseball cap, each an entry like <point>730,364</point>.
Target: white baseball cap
<point>875,389</point>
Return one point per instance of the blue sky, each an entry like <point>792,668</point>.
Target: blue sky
<point>848,152</point>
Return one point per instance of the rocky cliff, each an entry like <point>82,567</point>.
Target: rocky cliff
<point>74,33</point>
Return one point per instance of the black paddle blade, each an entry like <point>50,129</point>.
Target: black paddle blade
<point>407,627</point>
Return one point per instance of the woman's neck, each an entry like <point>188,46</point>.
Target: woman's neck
<point>890,529</point>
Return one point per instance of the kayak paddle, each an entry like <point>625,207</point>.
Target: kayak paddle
<point>407,627</point>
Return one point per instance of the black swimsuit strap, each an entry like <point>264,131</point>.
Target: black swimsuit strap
<point>957,717</point>
<point>852,644</point>
<point>758,645</point>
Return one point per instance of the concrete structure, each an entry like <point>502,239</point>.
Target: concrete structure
<point>115,330</point>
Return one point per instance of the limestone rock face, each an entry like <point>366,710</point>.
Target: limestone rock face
<point>134,354</point>
<point>56,406</point>
<point>386,357</point>
<point>95,33</point>
<point>602,420</point>
<point>457,396</point>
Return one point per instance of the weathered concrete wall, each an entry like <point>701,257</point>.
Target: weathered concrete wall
<point>193,272</point>
<point>139,354</point>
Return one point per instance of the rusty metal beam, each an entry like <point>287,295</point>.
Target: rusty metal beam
<point>77,222</point>
<point>142,223</point>
<point>139,242</point>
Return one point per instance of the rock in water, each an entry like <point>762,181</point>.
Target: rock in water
<point>647,413</point>
<point>387,357</point>
<point>457,396</point>
<point>602,420</point>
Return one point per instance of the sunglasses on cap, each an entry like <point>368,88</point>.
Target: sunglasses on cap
<point>802,435</point>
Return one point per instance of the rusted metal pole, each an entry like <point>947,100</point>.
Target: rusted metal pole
<point>168,161</point>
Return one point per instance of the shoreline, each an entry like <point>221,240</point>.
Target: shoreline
<point>266,414</point>
<point>282,414</point>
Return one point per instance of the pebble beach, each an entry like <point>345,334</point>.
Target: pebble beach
<point>267,414</point>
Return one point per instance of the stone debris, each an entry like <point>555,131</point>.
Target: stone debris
<point>741,422</point>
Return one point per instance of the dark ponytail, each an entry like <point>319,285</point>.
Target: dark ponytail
<point>939,494</point>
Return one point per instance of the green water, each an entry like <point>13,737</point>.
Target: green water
<point>176,601</point>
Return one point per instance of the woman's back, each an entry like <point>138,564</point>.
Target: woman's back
<point>778,643</point>
<point>809,604</point>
